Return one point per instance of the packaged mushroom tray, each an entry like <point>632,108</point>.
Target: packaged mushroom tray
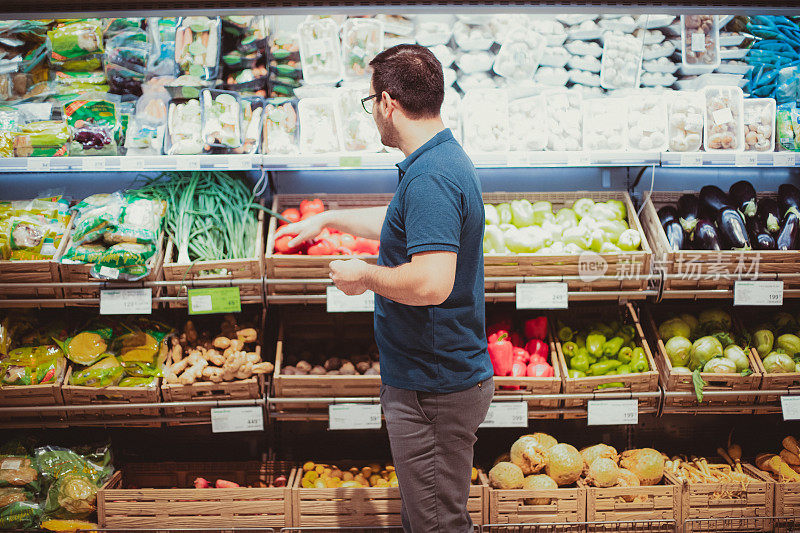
<point>213,359</point>
<point>724,127</point>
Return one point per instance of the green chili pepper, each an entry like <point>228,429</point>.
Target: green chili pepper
<point>594,344</point>
<point>600,368</point>
<point>639,361</point>
<point>576,374</point>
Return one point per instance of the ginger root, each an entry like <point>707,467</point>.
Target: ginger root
<point>790,443</point>
<point>221,343</point>
<point>213,374</point>
<point>214,357</point>
<point>247,335</point>
<point>252,357</point>
<point>263,368</point>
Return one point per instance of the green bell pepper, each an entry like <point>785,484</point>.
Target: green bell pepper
<point>580,362</point>
<point>522,213</point>
<point>569,349</point>
<point>625,354</point>
<point>627,332</point>
<point>580,340</point>
<point>623,369</point>
<point>639,361</point>
<point>612,346</point>
<point>614,385</point>
<point>504,213</point>
<point>576,374</point>
<point>594,344</point>
<point>602,367</point>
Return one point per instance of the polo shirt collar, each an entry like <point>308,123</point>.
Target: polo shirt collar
<point>439,138</point>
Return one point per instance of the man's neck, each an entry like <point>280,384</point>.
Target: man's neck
<point>418,133</point>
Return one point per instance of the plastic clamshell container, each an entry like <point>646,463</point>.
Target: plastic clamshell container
<point>252,124</point>
<point>552,30</point>
<point>759,124</point>
<point>731,39</point>
<point>319,128</point>
<point>486,120</point>
<point>520,54</point>
<point>551,76</point>
<point>584,48</point>
<point>661,65</point>
<point>564,120</point>
<point>654,51</point>
<point>724,119</point>
<point>528,130</point>
<point>444,54</point>
<point>320,53</point>
<point>473,37</point>
<point>605,124</point>
<point>472,62</point>
<point>362,40</point>
<point>584,77</point>
<point>281,131</point>
<point>657,79</point>
<point>451,112</point>
<point>357,129</point>
<point>649,36</point>
<point>699,43</point>
<point>686,118</point>
<point>184,127</point>
<point>432,33</point>
<point>554,56</point>
<point>588,30</point>
<point>229,118</point>
<point>621,63</point>
<point>192,55</point>
<point>587,63</point>
<point>647,122</point>
<point>624,24</point>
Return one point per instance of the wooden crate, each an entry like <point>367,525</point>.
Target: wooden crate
<point>252,268</point>
<point>641,382</point>
<point>160,499</point>
<point>201,391</point>
<point>726,265</point>
<point>657,503</point>
<point>753,501</point>
<point>280,266</point>
<point>81,272</point>
<point>34,396</point>
<point>78,395</point>
<point>682,382</point>
<point>327,332</point>
<point>787,498</point>
<point>619,267</point>
<point>567,504</point>
<point>364,507</point>
<point>41,271</point>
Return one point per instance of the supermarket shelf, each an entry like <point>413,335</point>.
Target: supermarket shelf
<point>722,159</point>
<point>130,163</point>
<point>44,409</point>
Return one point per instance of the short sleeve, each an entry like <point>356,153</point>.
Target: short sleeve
<point>433,211</point>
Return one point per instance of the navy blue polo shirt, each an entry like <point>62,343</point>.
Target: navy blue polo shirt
<point>437,207</point>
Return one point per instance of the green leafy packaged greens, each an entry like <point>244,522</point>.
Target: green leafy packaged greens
<point>44,138</point>
<point>75,40</point>
<point>93,121</point>
<point>72,480</point>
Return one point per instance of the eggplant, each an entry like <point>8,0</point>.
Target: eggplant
<point>788,196</point>
<point>768,215</point>
<point>742,196</point>
<point>667,214</point>
<point>712,200</point>
<point>675,235</point>
<point>688,207</point>
<point>759,236</point>
<point>790,230</point>
<point>732,229</point>
<point>705,236</point>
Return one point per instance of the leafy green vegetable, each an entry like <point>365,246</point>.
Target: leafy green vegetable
<point>699,383</point>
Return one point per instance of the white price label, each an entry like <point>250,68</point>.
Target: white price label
<point>38,164</point>
<point>339,302</point>
<point>613,412</point>
<point>550,295</point>
<point>506,415</point>
<point>94,164</point>
<point>126,302</point>
<point>693,159</point>
<point>131,164</point>
<point>758,293</point>
<point>578,159</point>
<point>109,272</point>
<point>202,303</point>
<point>230,419</point>
<point>11,464</point>
<point>354,416</point>
<point>698,42</point>
<point>187,163</point>
<point>784,159</point>
<point>722,116</point>
<point>790,405</point>
<point>746,159</point>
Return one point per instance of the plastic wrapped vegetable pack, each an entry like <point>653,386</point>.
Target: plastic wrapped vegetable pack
<point>320,52</point>
<point>520,53</point>
<point>605,124</point>
<point>252,122</point>
<point>19,486</point>
<point>362,40</point>
<point>622,58</point>
<point>724,126</point>
<point>686,122</point>
<point>788,126</point>
<point>184,128</point>
<point>46,138</point>
<point>72,480</point>
<point>358,129</point>
<point>222,125</point>
<point>759,124</point>
<point>197,47</point>
<point>564,121</point>
<point>647,122</point>
<point>93,123</point>
<point>486,120</point>
<point>529,127</point>
<point>319,126</point>
<point>32,229</point>
<point>145,133</point>
<point>280,126</point>
<point>126,61</point>
<point>74,41</point>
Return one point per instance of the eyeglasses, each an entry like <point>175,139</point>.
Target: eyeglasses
<point>367,99</point>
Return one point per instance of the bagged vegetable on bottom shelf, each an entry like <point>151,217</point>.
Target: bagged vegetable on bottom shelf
<point>72,480</point>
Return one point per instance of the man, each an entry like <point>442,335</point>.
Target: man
<point>429,303</point>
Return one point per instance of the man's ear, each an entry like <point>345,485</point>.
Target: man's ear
<point>388,102</point>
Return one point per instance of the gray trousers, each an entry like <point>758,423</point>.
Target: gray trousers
<point>432,438</point>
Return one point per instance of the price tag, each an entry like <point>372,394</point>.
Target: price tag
<point>354,416</point>
<point>109,273</point>
<point>549,295</point>
<point>38,164</point>
<point>94,164</point>
<point>784,159</point>
<point>339,302</point>
<point>758,293</point>
<point>131,164</point>
<point>722,116</point>
<point>698,42</point>
<point>578,159</point>
<point>214,300</point>
<point>230,419</point>
<point>790,405</point>
<point>350,161</point>
<point>126,302</point>
<point>746,159</point>
<point>187,163</point>
<point>692,159</point>
<point>613,412</point>
<point>506,415</point>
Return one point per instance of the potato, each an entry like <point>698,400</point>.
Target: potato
<point>363,366</point>
<point>289,371</point>
<point>317,371</point>
<point>334,363</point>
<point>335,373</point>
<point>304,366</point>
<point>372,372</point>
<point>347,369</point>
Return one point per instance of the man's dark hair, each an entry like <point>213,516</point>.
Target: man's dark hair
<point>413,76</point>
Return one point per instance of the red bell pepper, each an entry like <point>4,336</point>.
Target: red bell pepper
<point>536,328</point>
<point>540,370</point>
<point>201,483</point>
<point>496,335</point>
<point>521,354</point>
<point>311,207</point>
<point>538,349</point>
<point>292,214</point>
<point>499,325</point>
<point>501,353</point>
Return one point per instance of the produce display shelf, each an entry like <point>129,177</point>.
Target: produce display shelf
<point>729,159</point>
<point>130,163</point>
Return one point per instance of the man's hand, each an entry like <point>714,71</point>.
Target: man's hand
<point>305,230</point>
<point>349,275</point>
